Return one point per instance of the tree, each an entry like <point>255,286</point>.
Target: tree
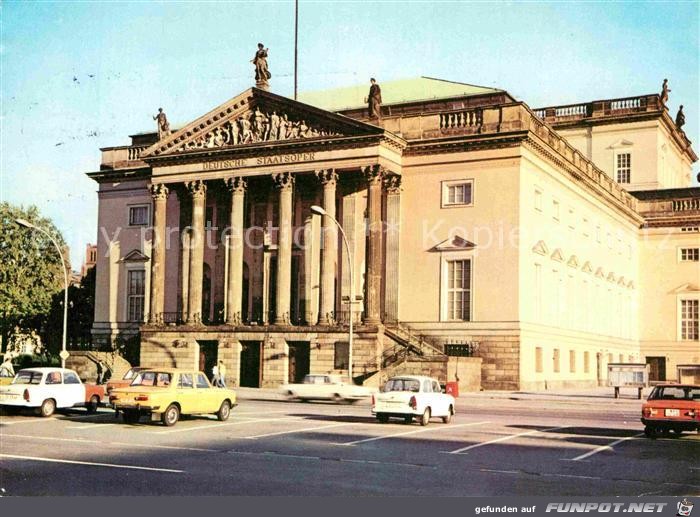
<point>81,313</point>
<point>30,270</point>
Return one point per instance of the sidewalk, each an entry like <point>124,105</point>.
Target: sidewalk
<point>588,395</point>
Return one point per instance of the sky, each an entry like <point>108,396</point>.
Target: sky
<point>78,76</point>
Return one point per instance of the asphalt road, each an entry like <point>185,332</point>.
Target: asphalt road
<point>492,447</point>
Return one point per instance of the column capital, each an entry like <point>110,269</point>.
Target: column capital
<point>373,174</point>
<point>196,188</point>
<point>158,191</point>
<point>284,180</point>
<point>327,177</point>
<point>236,184</point>
<point>392,184</point>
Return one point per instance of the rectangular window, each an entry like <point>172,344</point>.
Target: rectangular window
<point>209,219</point>
<point>585,227</point>
<point>597,233</point>
<point>538,293</point>
<point>457,193</point>
<point>136,288</point>
<point>572,361</point>
<point>690,254</point>
<point>538,359</point>
<point>459,290</point>
<point>572,219</point>
<point>623,167</point>
<point>610,358</point>
<point>138,215</point>
<point>342,356</point>
<point>538,200</point>
<point>555,358</point>
<point>555,209</point>
<point>690,229</point>
<point>690,320</point>
<point>586,362</point>
<point>621,358</point>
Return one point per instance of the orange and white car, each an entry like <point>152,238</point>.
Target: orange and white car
<point>672,408</point>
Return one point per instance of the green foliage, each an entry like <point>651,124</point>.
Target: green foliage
<point>30,269</point>
<point>33,361</point>
<point>81,312</point>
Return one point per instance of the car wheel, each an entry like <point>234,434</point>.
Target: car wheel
<point>47,407</point>
<point>665,432</point>
<point>425,419</point>
<point>130,416</point>
<point>170,416</point>
<point>382,418</point>
<point>408,419</point>
<point>448,418</point>
<point>224,411</point>
<point>92,405</point>
<point>649,432</point>
<point>337,399</point>
<point>677,432</point>
<point>291,396</point>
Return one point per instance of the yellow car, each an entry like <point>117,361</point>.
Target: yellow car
<point>6,376</point>
<point>167,393</point>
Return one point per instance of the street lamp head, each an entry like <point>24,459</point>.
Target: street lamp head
<point>25,223</point>
<point>318,210</point>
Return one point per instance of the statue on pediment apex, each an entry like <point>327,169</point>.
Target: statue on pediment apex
<point>163,124</point>
<point>664,92</point>
<point>262,74</point>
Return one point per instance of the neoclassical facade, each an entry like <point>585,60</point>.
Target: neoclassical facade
<point>475,227</point>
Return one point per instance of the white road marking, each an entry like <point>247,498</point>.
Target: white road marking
<point>28,421</point>
<point>92,426</point>
<point>222,424</point>
<point>296,431</point>
<point>605,447</point>
<point>101,442</point>
<point>503,439</point>
<point>88,463</point>
<point>409,432</point>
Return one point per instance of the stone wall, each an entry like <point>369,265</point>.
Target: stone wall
<point>500,368</point>
<point>84,362</point>
<point>466,371</point>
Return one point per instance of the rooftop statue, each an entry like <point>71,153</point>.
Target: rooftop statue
<point>680,118</point>
<point>664,92</point>
<point>163,124</point>
<point>262,74</point>
<point>374,100</point>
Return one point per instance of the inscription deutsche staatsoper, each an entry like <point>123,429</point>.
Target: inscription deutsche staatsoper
<point>213,165</point>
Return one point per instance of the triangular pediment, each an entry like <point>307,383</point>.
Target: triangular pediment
<point>573,262</point>
<point>455,243</point>
<point>621,281</point>
<point>599,273</point>
<point>254,118</point>
<point>587,268</point>
<point>611,277</point>
<point>135,256</point>
<point>686,288</point>
<point>541,248</point>
<point>557,255</point>
<point>621,143</point>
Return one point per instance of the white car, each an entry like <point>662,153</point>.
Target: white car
<point>325,387</point>
<point>410,396</point>
<point>48,389</point>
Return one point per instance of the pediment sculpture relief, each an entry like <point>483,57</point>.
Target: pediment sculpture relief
<point>257,126</point>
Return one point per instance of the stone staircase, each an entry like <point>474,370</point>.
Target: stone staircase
<point>84,362</point>
<point>407,353</point>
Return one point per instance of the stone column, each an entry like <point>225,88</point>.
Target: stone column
<point>159,192</point>
<point>311,265</point>
<point>237,186</point>
<point>393,225</point>
<point>329,179</point>
<point>354,232</point>
<point>285,184</point>
<point>374,175</point>
<point>198,192</point>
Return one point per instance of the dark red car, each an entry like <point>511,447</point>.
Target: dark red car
<point>672,408</point>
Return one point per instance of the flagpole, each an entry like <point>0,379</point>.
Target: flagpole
<point>296,39</point>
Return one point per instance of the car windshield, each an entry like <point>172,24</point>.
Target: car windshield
<point>675,393</point>
<point>27,378</point>
<point>152,379</point>
<point>402,385</point>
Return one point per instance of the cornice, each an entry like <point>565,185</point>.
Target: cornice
<point>465,143</point>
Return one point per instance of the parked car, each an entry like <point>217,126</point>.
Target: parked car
<point>410,396</point>
<point>167,393</point>
<point>6,376</point>
<point>325,387</point>
<point>50,388</point>
<point>672,408</point>
<point>129,376</point>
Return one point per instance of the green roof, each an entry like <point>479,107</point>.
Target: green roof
<point>393,92</point>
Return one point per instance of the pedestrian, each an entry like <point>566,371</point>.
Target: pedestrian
<point>215,376</point>
<point>7,365</point>
<point>222,374</point>
<point>100,372</point>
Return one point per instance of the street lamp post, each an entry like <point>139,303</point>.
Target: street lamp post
<point>320,211</point>
<point>27,224</point>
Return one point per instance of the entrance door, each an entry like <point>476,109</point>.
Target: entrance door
<point>657,368</point>
<point>298,360</point>
<point>208,356</point>
<point>250,364</point>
